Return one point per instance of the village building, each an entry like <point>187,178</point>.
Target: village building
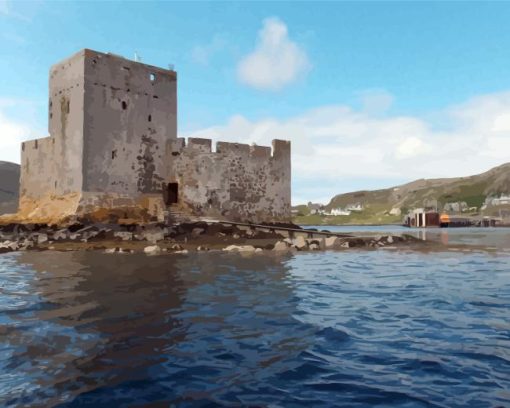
<point>113,150</point>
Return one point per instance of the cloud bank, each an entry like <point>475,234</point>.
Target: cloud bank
<point>276,62</point>
<point>338,149</point>
<point>13,132</point>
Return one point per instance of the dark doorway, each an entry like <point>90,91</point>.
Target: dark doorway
<point>171,193</point>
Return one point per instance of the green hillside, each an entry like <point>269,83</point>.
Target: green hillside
<point>378,204</point>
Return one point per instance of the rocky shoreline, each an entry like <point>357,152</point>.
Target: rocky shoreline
<point>158,238</point>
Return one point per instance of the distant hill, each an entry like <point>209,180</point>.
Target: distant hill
<point>390,204</point>
<point>9,187</point>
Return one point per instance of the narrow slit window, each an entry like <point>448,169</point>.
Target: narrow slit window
<point>152,77</point>
<point>124,105</point>
<point>114,154</point>
<point>149,118</point>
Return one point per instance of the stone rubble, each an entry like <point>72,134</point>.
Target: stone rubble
<point>195,236</point>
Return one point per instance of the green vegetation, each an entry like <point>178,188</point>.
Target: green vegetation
<point>433,193</point>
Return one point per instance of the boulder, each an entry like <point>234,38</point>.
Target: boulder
<point>61,234</point>
<point>123,235</point>
<point>389,240</point>
<point>300,243</point>
<point>318,241</point>
<point>154,235</point>
<point>42,238</point>
<point>152,250</point>
<point>314,246</point>
<point>332,242</point>
<point>202,248</point>
<point>176,247</point>
<point>197,231</point>
<point>240,248</point>
<point>281,246</point>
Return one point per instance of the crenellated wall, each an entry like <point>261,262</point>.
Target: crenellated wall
<point>113,149</point>
<point>237,181</point>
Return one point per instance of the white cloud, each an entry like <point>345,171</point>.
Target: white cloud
<point>276,62</point>
<point>337,149</point>
<point>13,132</point>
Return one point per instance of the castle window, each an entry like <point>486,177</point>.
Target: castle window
<point>23,146</point>
<point>36,144</point>
<point>114,154</point>
<point>149,118</point>
<point>152,77</point>
<point>68,107</point>
<point>124,105</point>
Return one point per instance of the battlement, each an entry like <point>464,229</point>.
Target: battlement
<point>112,123</point>
<point>279,148</point>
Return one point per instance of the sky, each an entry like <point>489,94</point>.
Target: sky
<point>371,94</point>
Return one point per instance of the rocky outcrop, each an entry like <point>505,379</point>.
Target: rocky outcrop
<point>157,238</point>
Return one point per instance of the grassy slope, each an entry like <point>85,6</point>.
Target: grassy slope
<point>9,187</point>
<point>473,190</point>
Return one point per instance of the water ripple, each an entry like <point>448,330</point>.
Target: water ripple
<point>355,329</point>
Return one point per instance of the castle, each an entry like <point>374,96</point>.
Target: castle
<point>113,150</point>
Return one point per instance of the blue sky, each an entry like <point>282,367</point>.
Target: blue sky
<point>371,94</point>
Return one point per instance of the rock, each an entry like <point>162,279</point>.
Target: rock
<point>281,246</point>
<point>240,248</point>
<point>202,248</point>
<point>389,240</point>
<point>152,250</point>
<point>314,246</point>
<point>110,250</point>
<point>318,241</point>
<point>300,243</point>
<point>42,238</point>
<point>345,244</point>
<point>123,235</point>
<point>258,250</point>
<point>74,236</point>
<point>332,242</point>
<point>60,234</point>
<point>154,236</point>
<point>236,236</point>
<point>176,247</point>
<point>197,231</point>
<point>184,251</point>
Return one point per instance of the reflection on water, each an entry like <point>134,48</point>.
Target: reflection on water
<point>354,328</point>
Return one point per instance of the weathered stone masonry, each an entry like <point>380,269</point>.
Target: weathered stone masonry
<point>113,147</point>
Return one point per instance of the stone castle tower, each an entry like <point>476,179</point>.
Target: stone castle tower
<point>113,150</point>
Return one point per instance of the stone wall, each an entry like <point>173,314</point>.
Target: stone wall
<point>113,148</point>
<point>130,113</point>
<point>236,182</point>
<point>52,166</point>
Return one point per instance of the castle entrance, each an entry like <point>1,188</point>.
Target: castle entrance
<point>171,193</point>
